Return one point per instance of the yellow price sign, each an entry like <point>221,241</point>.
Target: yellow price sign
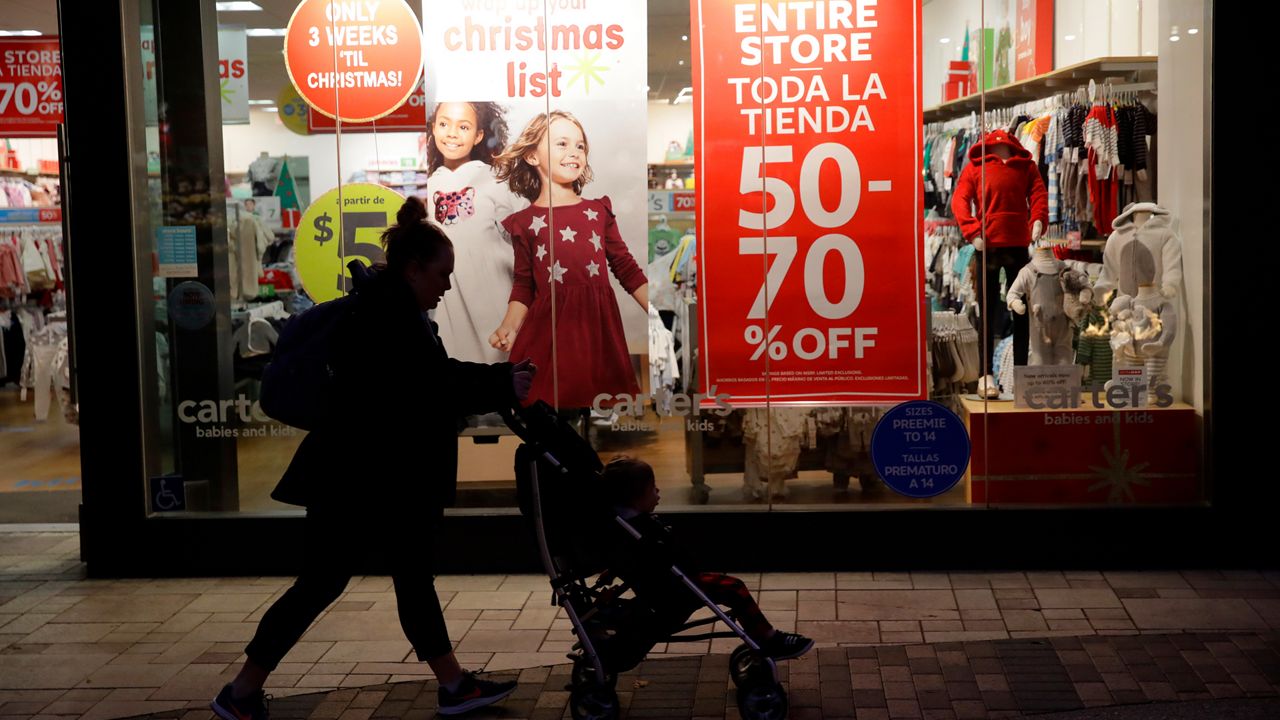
<point>292,110</point>
<point>327,239</point>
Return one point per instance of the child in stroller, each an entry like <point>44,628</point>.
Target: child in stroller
<point>645,564</point>
<point>590,522</point>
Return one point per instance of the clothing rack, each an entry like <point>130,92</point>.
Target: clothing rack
<point>1116,70</point>
<point>31,259</point>
<point>1062,131</point>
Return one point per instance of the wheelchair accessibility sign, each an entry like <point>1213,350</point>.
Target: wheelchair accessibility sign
<point>920,449</point>
<point>168,494</point>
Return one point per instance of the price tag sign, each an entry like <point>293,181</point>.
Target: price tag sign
<point>357,60</point>
<point>327,238</point>
<point>30,87</point>
<point>811,281</point>
<point>920,449</point>
<point>176,251</point>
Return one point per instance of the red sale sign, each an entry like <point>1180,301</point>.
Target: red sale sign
<point>30,87</point>
<point>810,277</point>
<point>409,117</point>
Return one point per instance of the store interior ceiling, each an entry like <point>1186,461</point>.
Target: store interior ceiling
<point>669,54</point>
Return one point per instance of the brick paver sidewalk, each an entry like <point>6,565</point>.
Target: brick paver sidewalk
<point>904,644</point>
<point>1001,678</point>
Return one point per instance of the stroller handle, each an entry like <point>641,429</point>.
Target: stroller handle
<point>511,416</point>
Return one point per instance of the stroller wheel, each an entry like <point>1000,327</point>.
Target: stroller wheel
<point>594,703</point>
<point>762,701</point>
<point>745,667</point>
<point>584,676</point>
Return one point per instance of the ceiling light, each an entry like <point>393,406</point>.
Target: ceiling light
<point>686,95</point>
<point>265,32</point>
<point>238,7</point>
<point>20,33</point>
<point>262,102</point>
<point>1193,31</point>
<point>684,38</point>
<point>1069,38</point>
<point>680,63</point>
<point>273,108</point>
<point>1173,34</point>
<point>944,41</point>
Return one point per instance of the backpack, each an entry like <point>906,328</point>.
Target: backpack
<point>298,383</point>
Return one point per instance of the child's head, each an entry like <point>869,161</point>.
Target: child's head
<point>553,145</point>
<point>462,131</point>
<point>631,484</point>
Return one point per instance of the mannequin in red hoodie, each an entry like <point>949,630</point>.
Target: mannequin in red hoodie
<point>1002,207</point>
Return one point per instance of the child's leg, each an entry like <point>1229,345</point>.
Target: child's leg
<point>732,593</point>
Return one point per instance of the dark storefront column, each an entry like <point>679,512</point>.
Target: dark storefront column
<point>97,202</point>
<point>193,187</point>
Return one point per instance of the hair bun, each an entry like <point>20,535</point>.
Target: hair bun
<point>413,212</point>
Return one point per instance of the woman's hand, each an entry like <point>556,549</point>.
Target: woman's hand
<point>502,338</point>
<point>522,378</point>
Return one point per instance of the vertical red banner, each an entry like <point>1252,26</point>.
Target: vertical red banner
<point>810,258</point>
<point>31,102</point>
<point>1034,47</point>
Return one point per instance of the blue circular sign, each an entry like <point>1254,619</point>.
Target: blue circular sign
<point>191,305</point>
<point>920,449</point>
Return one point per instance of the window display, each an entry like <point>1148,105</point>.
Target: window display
<point>842,208</point>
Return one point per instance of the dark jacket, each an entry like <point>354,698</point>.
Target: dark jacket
<point>645,564</point>
<point>390,450</point>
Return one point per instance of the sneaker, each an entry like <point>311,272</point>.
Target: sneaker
<point>785,646</point>
<point>473,693</point>
<point>253,707</point>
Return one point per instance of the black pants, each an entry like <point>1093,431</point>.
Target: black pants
<point>1000,320</point>
<point>334,546</point>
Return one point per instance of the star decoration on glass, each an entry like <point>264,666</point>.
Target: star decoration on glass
<point>555,273</point>
<point>595,240</point>
<point>542,251</point>
<point>587,70</point>
<point>592,214</point>
<point>568,234</point>
<point>1118,477</point>
<point>593,269</point>
<point>539,222</point>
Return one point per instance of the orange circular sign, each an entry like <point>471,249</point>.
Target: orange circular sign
<point>356,60</point>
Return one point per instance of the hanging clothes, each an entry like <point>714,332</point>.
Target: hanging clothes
<point>1101,142</point>
<point>245,251</point>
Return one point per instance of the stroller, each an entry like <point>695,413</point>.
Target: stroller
<point>560,494</point>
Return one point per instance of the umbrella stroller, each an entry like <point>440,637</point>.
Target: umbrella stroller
<point>561,495</point>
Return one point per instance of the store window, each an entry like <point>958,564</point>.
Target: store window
<point>39,416</point>
<point>733,236</point>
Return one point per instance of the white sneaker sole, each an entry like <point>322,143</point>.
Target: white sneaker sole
<point>473,704</point>
<point>796,654</point>
<point>223,712</point>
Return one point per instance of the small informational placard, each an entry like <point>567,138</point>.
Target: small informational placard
<point>168,494</point>
<point>30,215</point>
<point>1135,380</point>
<point>920,449</point>
<point>268,208</point>
<point>176,250</point>
<point>1046,386</point>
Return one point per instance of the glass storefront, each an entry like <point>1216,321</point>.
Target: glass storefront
<point>741,240</point>
<point>775,222</point>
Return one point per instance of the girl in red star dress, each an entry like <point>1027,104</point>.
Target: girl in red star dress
<point>562,243</point>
